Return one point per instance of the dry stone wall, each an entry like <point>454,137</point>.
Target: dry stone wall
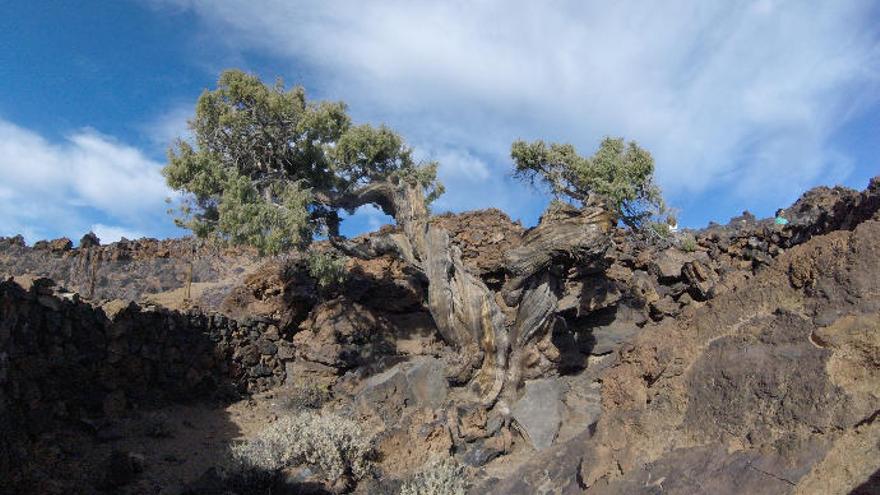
<point>62,358</point>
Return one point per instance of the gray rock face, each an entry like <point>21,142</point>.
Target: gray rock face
<point>539,412</point>
<point>416,383</point>
<point>554,471</point>
<point>669,263</point>
<point>427,382</point>
<point>711,469</point>
<point>625,322</point>
<point>582,400</point>
<point>480,452</point>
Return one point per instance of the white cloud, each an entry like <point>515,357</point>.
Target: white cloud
<point>373,216</point>
<point>111,233</point>
<point>166,128</point>
<point>455,164</point>
<point>734,96</point>
<point>54,189</point>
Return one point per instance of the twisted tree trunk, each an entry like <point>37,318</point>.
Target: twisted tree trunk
<point>490,331</point>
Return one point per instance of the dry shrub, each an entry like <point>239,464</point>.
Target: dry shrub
<point>438,477</point>
<point>307,394</point>
<point>333,446</point>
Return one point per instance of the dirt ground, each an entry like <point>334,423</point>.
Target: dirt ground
<point>172,445</point>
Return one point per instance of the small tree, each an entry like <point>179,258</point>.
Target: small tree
<point>619,174</point>
<point>271,169</point>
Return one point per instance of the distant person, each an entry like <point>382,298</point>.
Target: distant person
<point>780,218</point>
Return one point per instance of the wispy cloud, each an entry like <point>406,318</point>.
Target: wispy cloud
<point>168,127</point>
<point>112,233</point>
<point>59,188</point>
<point>735,96</point>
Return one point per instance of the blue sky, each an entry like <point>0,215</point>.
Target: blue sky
<point>743,104</point>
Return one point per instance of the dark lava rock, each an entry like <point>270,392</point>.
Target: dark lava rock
<point>118,470</point>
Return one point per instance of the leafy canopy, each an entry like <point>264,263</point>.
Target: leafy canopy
<point>619,174</point>
<point>270,168</point>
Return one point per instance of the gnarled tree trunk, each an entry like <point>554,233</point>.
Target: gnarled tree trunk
<point>472,318</point>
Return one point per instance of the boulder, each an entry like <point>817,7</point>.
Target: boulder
<point>89,240</point>
<point>667,306</point>
<point>669,262</point>
<point>426,379</point>
<point>538,413</point>
<point>701,279</point>
<point>343,334</point>
<point>420,382</point>
<point>612,327</point>
<point>386,395</point>
<point>482,451</point>
<point>643,287</point>
<point>117,307</point>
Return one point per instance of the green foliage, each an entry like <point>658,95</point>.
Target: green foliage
<point>620,174</point>
<point>688,244</point>
<point>658,230</point>
<point>267,166</point>
<point>326,268</point>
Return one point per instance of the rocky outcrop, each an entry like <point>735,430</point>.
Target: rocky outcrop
<point>825,209</point>
<point>484,237</point>
<point>769,388</point>
<point>128,269</point>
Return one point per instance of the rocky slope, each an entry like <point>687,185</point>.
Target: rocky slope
<point>770,388</point>
<point>742,358</point>
<point>133,270</point>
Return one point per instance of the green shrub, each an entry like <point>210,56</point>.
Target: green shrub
<point>327,269</point>
<point>658,230</point>
<point>688,244</point>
